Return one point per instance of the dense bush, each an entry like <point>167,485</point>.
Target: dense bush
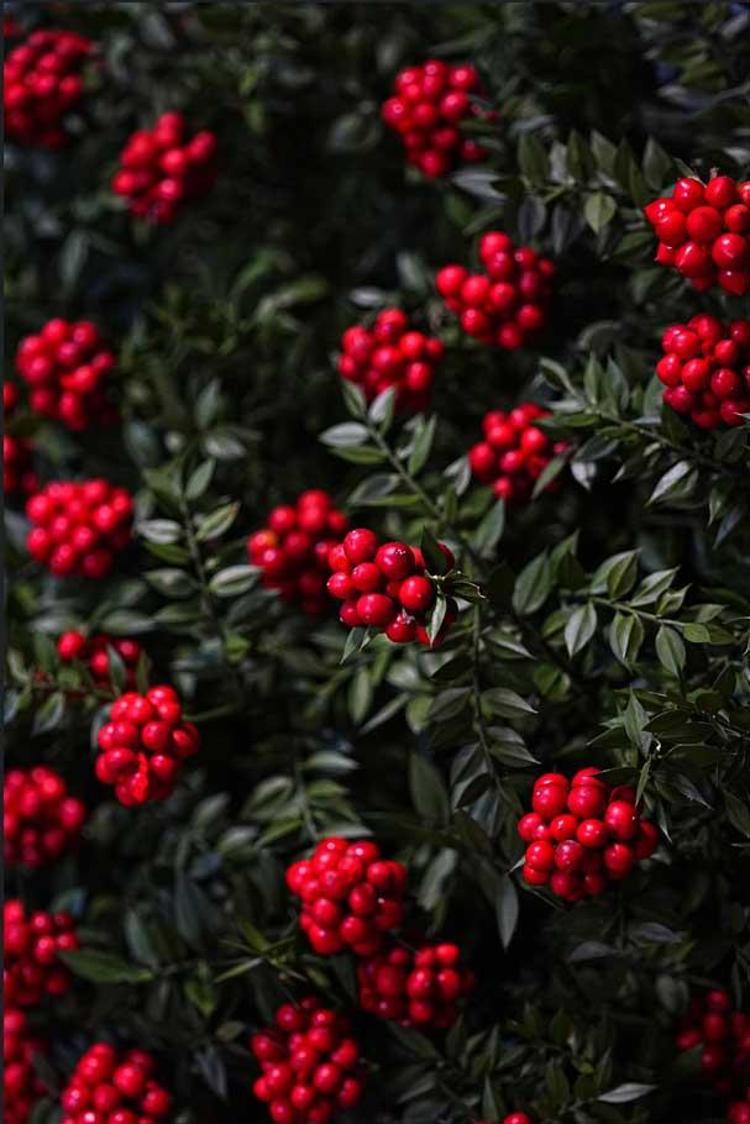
<point>589,609</point>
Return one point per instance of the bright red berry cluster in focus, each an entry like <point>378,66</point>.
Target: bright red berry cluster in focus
<point>292,550</point>
<point>506,305</point>
<point>161,170</point>
<point>583,835</point>
<point>19,477</point>
<point>391,354</point>
<point>415,987</point>
<point>143,745</point>
<point>350,895</point>
<point>310,1064</point>
<point>429,105</point>
<point>385,587</point>
<point>515,452</point>
<point>21,1085</point>
<point>93,651</point>
<point>704,232</point>
<point>31,944</point>
<point>65,366</point>
<point>723,1035</point>
<point>40,819</point>
<point>119,1089</point>
<point>79,526</point>
<point>706,370</point>
<point>42,82</point>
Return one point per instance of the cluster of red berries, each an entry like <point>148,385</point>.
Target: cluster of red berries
<point>583,835</point>
<point>93,651</point>
<point>119,1089</point>
<point>391,354</point>
<point>65,366</point>
<point>19,477</point>
<point>428,106</point>
<point>42,82</point>
<point>704,232</point>
<point>515,452</point>
<point>40,820</point>
<point>292,549</point>
<point>310,1064</point>
<point>506,305</point>
<point>143,745</point>
<point>21,1085</point>
<point>350,895</point>
<point>385,587</point>
<point>161,170</point>
<point>415,987</point>
<point>31,944</point>
<point>79,526</point>
<point>723,1035</point>
<point>706,370</point>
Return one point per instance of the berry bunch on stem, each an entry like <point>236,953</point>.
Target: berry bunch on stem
<point>31,943</point>
<point>723,1035</point>
<point>428,109</point>
<point>582,835</point>
<point>79,526</point>
<point>292,549</point>
<point>515,452</point>
<point>351,896</point>
<point>161,170</point>
<point>704,232</point>
<point>117,1087</point>
<point>143,745</point>
<point>506,305</point>
<point>706,370</point>
<point>93,651</point>
<point>415,987</point>
<point>391,354</point>
<point>65,367</point>
<point>42,82</point>
<point>386,587</point>
<point>40,819</point>
<point>21,1085</point>
<point>310,1064</point>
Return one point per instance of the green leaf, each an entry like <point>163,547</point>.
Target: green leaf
<point>533,586</point>
<point>625,637</point>
<point>598,210</point>
<point>428,793</point>
<point>580,628</point>
<point>218,522</point>
<point>234,580</point>
<point>507,910</point>
<point>420,451</point>
<point>506,703</point>
<point>738,813</point>
<point>171,582</point>
<point>629,1091</point>
<point>670,650</point>
<point>490,530</point>
<point>532,158</point>
<point>676,484</point>
<point>199,480</point>
<point>104,967</point>
<point>346,435</point>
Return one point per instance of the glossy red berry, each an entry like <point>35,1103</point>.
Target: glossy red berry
<point>78,527</point>
<point>161,170</point>
<point>310,1064</point>
<point>350,896</point>
<point>143,745</point>
<point>42,84</point>
<point>514,452</point>
<point>65,367</point>
<point>41,820</point>
<point>390,354</point>
<point>704,233</point>
<point>581,835</point>
<point>706,370</point>
<point>506,305</point>
<point>292,551</point>
<point>22,1086</point>
<point>118,1088</point>
<point>415,987</point>
<point>428,107</point>
<point>31,942</point>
